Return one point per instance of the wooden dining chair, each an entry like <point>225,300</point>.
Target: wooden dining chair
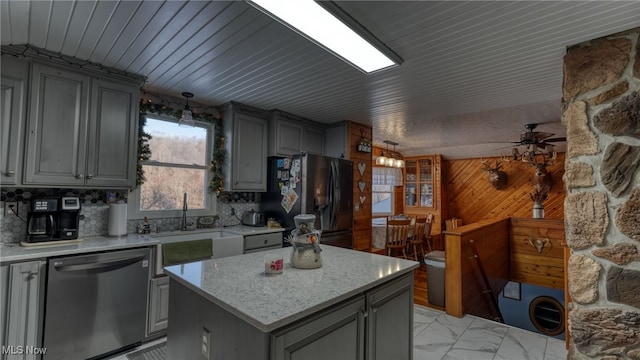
<point>417,237</point>
<point>397,234</point>
<point>427,232</point>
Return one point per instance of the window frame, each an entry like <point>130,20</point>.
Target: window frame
<point>210,199</point>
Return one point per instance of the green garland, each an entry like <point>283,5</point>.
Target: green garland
<point>217,158</point>
<point>144,151</point>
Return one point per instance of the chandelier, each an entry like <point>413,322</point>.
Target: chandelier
<point>389,160</point>
<point>548,152</point>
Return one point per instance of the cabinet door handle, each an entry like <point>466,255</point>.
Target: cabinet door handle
<point>10,173</point>
<point>78,176</point>
<point>89,176</point>
<point>235,182</point>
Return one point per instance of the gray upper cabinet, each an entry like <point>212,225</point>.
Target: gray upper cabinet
<point>12,119</point>
<point>112,138</point>
<point>290,134</point>
<point>246,129</point>
<point>336,142</point>
<point>81,130</point>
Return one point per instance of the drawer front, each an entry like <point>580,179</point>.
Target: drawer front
<point>262,240</point>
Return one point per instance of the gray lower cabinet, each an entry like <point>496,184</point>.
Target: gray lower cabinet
<point>24,310</point>
<point>12,119</point>
<point>374,325</point>
<point>81,130</point>
<point>158,313</point>
<point>382,319</point>
<point>336,334</point>
<point>262,242</point>
<point>390,321</point>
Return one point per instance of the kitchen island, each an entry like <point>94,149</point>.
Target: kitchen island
<point>229,309</point>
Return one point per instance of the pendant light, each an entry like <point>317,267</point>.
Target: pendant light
<point>187,117</point>
<point>399,163</point>
<point>382,160</point>
<point>389,161</point>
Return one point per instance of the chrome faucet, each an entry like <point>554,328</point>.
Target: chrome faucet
<point>183,227</point>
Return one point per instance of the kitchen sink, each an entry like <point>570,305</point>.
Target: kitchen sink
<point>223,243</point>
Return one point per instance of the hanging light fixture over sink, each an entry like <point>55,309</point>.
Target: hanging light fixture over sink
<point>187,117</point>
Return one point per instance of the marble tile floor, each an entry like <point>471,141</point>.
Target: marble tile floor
<point>438,336</point>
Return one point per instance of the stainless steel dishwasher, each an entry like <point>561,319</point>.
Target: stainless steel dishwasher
<point>95,303</point>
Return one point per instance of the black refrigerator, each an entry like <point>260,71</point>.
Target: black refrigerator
<point>311,184</point>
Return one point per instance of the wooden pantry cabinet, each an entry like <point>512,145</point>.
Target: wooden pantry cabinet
<point>81,130</point>
<point>423,192</point>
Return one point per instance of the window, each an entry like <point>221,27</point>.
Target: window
<point>382,199</point>
<point>384,180</point>
<point>178,165</point>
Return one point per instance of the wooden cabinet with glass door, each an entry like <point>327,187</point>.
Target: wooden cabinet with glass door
<point>419,180</point>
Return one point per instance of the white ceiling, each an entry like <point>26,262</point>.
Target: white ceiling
<point>474,72</point>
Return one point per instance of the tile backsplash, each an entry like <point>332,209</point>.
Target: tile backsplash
<point>95,210</point>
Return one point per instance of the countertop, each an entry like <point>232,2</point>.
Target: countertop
<point>235,229</point>
<point>10,252</point>
<point>238,283</point>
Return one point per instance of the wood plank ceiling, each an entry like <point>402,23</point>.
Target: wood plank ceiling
<point>474,72</point>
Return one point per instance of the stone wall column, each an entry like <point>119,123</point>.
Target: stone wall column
<point>601,95</point>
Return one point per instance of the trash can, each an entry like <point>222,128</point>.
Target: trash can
<point>435,277</point>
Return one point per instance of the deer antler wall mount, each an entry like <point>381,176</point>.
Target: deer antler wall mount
<point>497,178</point>
<point>539,244</point>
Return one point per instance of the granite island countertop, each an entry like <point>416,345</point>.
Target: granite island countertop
<point>238,283</point>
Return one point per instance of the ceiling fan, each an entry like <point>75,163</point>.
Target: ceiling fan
<point>537,138</point>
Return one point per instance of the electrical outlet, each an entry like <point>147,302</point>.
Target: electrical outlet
<point>206,343</point>
<point>10,207</point>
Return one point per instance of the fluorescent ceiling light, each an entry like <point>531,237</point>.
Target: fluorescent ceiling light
<point>322,27</point>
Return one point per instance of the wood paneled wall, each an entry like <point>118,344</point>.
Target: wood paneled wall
<point>464,286</point>
<point>472,198</point>
<point>527,265</point>
<point>361,210</point>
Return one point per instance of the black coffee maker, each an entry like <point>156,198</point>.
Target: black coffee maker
<point>52,219</point>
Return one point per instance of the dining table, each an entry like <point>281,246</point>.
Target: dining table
<point>379,229</point>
